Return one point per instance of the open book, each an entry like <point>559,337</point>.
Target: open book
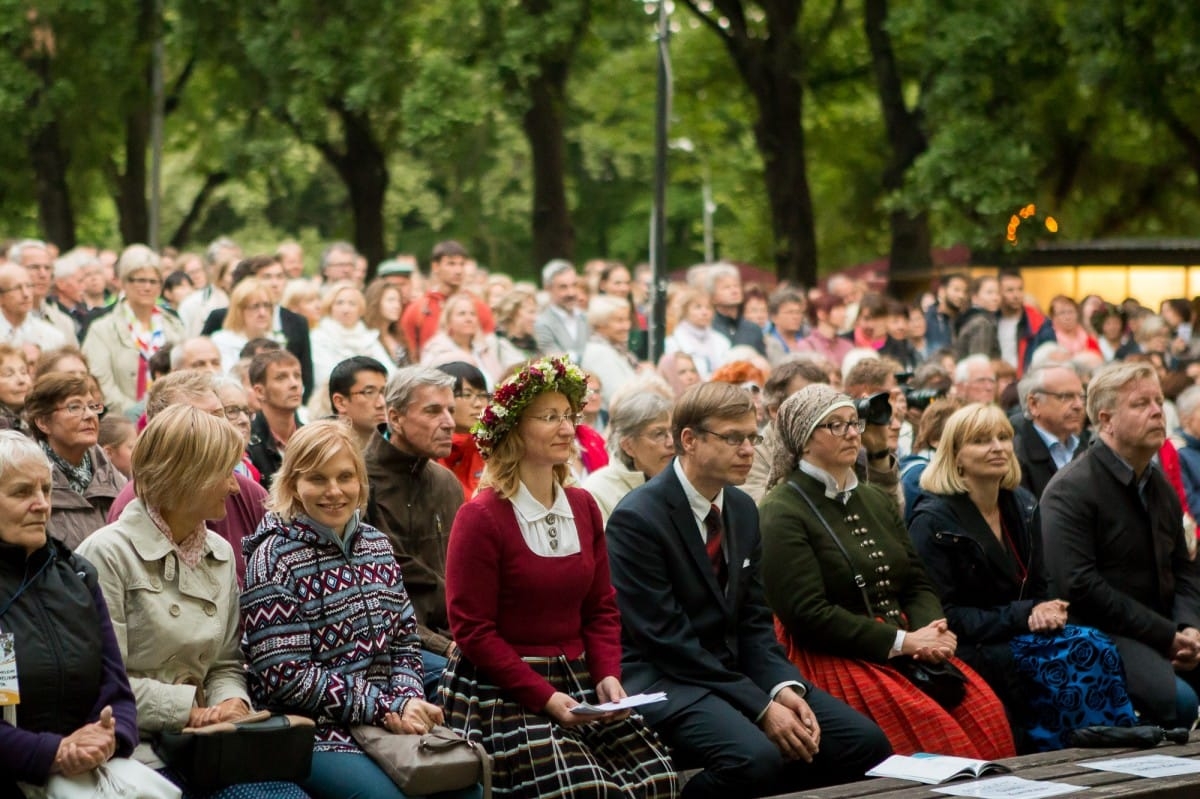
<point>934,769</point>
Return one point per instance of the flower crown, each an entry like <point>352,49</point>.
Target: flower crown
<point>515,394</point>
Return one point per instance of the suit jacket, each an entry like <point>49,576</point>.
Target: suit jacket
<point>553,338</point>
<point>1122,564</point>
<point>295,330</point>
<point>1037,467</point>
<point>680,632</point>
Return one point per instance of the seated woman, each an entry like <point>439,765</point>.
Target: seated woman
<point>250,316</point>
<point>171,585</point>
<point>607,354</point>
<point>64,412</point>
<point>639,440</point>
<point>347,655</point>
<point>534,614</point>
<point>694,333</point>
<point>470,398</point>
<point>460,338</point>
<point>14,388</point>
<point>77,711</point>
<point>849,591</point>
<point>341,333</point>
<point>977,534</point>
<point>516,313</point>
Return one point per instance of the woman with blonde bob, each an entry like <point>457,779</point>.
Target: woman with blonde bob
<point>342,334</point>
<point>171,586</point>
<point>978,535</point>
<point>347,653</point>
<point>250,316</point>
<point>533,611</point>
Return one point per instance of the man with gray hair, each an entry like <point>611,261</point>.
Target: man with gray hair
<point>1115,549</point>
<point>18,326</point>
<point>975,379</point>
<point>414,499</point>
<point>67,295</point>
<point>199,353</point>
<point>1051,433</point>
<point>35,257</point>
<point>723,284</point>
<point>562,327</point>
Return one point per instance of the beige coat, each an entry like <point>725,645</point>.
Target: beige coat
<point>113,356</point>
<point>177,626</point>
<point>609,485</point>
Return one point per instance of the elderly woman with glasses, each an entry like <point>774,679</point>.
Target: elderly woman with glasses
<point>855,609</point>
<point>64,414</point>
<point>120,344</point>
<point>534,614</point>
<point>639,440</point>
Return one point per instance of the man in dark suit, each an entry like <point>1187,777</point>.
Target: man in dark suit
<point>1114,546</point>
<point>1051,433</point>
<point>685,553</point>
<point>290,325</point>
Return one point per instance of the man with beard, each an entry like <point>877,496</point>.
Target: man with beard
<point>1115,548</point>
<point>940,318</point>
<point>1051,435</point>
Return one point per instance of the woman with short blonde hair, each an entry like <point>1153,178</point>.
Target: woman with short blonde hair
<point>171,585</point>
<point>251,315</point>
<point>460,338</point>
<point>342,334</point>
<point>352,652</point>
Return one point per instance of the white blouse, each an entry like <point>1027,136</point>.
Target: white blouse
<point>548,532</point>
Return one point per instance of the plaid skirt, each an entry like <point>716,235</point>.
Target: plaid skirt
<point>535,757</point>
<point>912,722</point>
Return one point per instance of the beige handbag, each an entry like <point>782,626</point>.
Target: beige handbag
<point>440,760</point>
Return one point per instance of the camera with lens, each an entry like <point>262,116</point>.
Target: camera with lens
<point>875,409</point>
<point>921,398</point>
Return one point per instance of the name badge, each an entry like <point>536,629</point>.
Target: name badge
<point>10,693</point>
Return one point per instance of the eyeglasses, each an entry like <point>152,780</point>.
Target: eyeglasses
<point>258,306</point>
<point>657,436</point>
<point>147,282</point>
<point>474,396</point>
<point>235,411</point>
<point>1063,396</point>
<point>81,408</point>
<point>842,428</point>
<point>370,392</point>
<point>555,419</point>
<point>18,287</point>
<point>733,439</point>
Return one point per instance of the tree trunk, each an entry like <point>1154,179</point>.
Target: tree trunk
<point>911,240</point>
<point>55,216</point>
<point>133,211</point>
<point>184,232</point>
<point>363,168</point>
<point>553,232</point>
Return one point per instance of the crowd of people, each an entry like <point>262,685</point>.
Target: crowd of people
<point>828,525</point>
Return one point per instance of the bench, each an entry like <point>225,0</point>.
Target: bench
<point>1060,766</point>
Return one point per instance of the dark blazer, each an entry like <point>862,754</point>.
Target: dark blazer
<point>1122,565</point>
<point>295,330</point>
<point>1037,467</point>
<point>739,331</point>
<point>679,632</point>
<point>985,598</point>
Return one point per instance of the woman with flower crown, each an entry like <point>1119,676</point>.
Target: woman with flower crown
<point>533,612</point>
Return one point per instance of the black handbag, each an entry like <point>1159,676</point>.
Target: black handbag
<point>262,747</point>
<point>942,682</point>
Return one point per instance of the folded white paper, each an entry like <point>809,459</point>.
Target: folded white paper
<point>637,700</point>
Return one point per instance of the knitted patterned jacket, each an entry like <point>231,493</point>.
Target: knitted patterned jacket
<point>329,631</point>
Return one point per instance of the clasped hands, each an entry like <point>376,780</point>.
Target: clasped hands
<point>791,725</point>
<point>89,746</point>
<point>229,710</point>
<point>417,718</point>
<point>1185,649</point>
<point>933,643</point>
<point>1048,617</point>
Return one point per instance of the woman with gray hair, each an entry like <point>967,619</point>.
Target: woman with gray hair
<point>119,344</point>
<point>607,354</point>
<point>639,440</point>
<point>855,609</point>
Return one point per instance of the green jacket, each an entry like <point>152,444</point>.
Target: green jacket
<point>811,587</point>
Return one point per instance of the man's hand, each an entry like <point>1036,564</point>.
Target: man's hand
<point>1185,649</point>
<point>875,437</point>
<point>791,725</point>
<point>88,747</point>
<point>933,643</point>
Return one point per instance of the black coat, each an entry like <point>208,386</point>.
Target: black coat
<point>1037,467</point>
<point>680,632</point>
<point>294,328</point>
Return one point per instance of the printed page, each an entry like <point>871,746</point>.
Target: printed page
<point>1146,765</point>
<point>637,700</point>
<point>1009,788</point>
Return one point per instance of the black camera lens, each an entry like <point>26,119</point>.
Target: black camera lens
<point>875,409</point>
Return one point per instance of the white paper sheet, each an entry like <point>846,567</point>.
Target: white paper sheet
<point>1008,788</point>
<point>1146,765</point>
<point>637,700</point>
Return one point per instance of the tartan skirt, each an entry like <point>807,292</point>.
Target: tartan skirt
<point>911,720</point>
<point>532,756</point>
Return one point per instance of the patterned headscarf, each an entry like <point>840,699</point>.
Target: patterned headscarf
<point>798,416</point>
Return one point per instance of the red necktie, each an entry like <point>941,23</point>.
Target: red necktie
<point>716,532</point>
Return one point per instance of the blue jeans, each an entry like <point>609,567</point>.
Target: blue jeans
<point>433,666</point>
<point>350,775</point>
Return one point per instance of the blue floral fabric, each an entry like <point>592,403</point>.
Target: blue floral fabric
<point>1074,679</point>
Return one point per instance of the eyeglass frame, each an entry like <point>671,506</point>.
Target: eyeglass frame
<point>732,439</point>
<point>471,396</point>
<point>1062,396</point>
<point>369,393</point>
<point>98,408</point>
<point>846,425</point>
<point>238,410</point>
<point>556,419</point>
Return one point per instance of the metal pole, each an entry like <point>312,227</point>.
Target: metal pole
<point>156,128</point>
<point>709,207</point>
<point>658,228</point>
